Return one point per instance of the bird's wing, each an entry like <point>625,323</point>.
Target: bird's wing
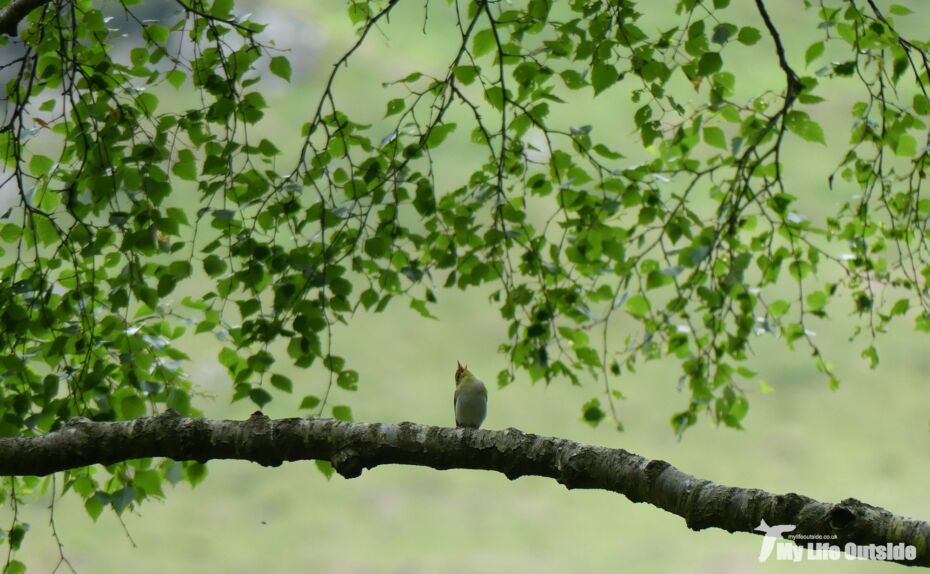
<point>484,389</point>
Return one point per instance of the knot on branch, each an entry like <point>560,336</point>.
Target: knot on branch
<point>788,506</point>
<point>511,466</point>
<point>843,516</point>
<point>169,414</point>
<point>654,468</point>
<point>347,463</point>
<point>518,434</point>
<point>568,472</point>
<point>264,451</point>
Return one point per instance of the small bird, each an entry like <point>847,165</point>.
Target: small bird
<point>471,399</point>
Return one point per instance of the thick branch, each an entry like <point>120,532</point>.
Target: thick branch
<point>11,16</point>
<point>353,447</point>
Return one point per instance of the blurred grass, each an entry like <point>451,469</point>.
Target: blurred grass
<point>868,440</point>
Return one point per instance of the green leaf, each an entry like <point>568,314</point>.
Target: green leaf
<point>359,12</point>
<point>779,308</point>
<point>739,408</point>
<point>122,498</point>
<point>438,134</point>
<point>45,230</point>
<point>133,407</point>
<point>377,246</point>
<point>602,77</point>
<point>11,232</point>
<point>280,66</point>
<point>341,286</point>
<point>179,401</point>
<point>748,35</point>
<point>40,165</point>
<point>325,467</point>
<point>395,106</point>
<point>495,96</point>
<point>813,52</point>
<point>147,102</point>
<point>816,300</point>
<point>801,124</point>
<point>94,506</point>
<point>185,167</point>
<point>222,8</point>
<point>420,307</point>
<point>176,78</point>
<point>573,79</point>
<point>260,397</point>
<point>714,136</point>
<point>657,279</point>
<point>17,534</point>
<point>906,146</point>
<point>638,306</point>
<point>466,74</point>
<point>268,149</point>
<point>309,402</point>
<point>157,34</point>
<point>592,413</point>
<point>149,481</point>
<point>281,382</point>
<point>799,269</point>
<point>368,298</point>
<point>342,412</point>
<point>174,471</point>
<point>482,43</point>
<point>348,380</point>
<point>195,472</point>
<point>604,151</point>
<point>710,63</point>
<point>901,307</point>
<point>723,33</point>
<point>213,265</point>
<point>921,104</point>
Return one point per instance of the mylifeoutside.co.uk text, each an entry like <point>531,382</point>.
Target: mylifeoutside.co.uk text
<point>799,538</point>
<point>826,551</point>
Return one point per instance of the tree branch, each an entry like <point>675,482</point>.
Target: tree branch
<point>794,83</point>
<point>353,447</point>
<point>13,14</point>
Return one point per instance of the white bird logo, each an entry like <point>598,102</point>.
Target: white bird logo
<point>772,533</point>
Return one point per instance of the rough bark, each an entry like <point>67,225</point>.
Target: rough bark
<point>13,14</point>
<point>354,447</point>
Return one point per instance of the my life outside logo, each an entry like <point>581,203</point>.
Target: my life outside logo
<point>797,547</point>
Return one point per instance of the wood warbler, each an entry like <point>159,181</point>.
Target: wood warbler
<point>471,399</point>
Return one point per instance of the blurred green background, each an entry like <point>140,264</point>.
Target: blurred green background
<point>867,440</point>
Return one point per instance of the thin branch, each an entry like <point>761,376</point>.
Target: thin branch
<point>354,447</point>
<point>794,83</point>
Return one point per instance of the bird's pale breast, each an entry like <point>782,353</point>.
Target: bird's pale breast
<point>470,409</point>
